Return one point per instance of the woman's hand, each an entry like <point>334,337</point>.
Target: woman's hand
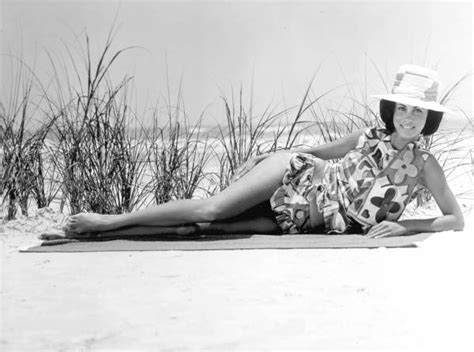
<point>246,167</point>
<point>387,229</point>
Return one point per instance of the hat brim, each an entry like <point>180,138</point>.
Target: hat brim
<point>403,99</point>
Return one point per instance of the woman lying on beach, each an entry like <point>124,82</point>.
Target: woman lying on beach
<point>298,191</point>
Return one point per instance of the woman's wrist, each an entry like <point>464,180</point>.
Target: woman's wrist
<point>442,223</point>
<point>410,227</point>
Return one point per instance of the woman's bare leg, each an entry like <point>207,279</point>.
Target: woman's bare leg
<point>245,226</point>
<point>248,224</point>
<point>155,231</point>
<point>260,225</point>
<point>256,186</point>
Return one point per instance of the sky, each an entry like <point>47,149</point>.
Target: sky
<point>213,47</point>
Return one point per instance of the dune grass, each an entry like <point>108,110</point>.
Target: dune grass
<point>179,153</point>
<point>94,149</point>
<point>96,158</point>
<point>22,140</point>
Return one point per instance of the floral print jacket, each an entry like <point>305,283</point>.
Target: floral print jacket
<point>372,183</point>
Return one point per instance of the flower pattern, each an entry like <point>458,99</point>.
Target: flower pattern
<point>386,205</point>
<point>370,184</point>
<point>290,202</point>
<point>404,167</point>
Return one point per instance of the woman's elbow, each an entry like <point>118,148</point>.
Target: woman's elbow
<point>459,224</point>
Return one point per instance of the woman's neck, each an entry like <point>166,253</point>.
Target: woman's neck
<point>399,142</point>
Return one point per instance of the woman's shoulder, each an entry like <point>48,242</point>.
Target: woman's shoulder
<point>378,132</point>
<point>371,136</point>
<point>431,169</point>
<point>374,132</point>
<point>423,151</point>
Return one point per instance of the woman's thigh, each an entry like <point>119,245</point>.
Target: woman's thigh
<point>257,186</point>
<point>254,224</point>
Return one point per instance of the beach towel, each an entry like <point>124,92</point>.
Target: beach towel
<point>225,242</point>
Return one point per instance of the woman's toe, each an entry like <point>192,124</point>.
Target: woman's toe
<point>72,220</point>
<point>71,234</point>
<point>82,235</point>
<point>68,227</point>
<point>50,236</point>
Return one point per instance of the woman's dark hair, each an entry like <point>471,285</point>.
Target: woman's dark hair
<point>387,108</point>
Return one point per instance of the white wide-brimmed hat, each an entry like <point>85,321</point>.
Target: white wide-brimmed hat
<point>416,86</point>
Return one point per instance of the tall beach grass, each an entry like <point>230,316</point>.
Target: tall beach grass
<point>97,154</point>
<point>22,138</point>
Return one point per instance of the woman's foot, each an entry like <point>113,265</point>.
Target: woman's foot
<point>52,236</point>
<point>86,222</point>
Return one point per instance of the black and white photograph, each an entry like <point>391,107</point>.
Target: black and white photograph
<point>256,175</point>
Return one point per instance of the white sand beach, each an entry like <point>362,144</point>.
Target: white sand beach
<point>241,300</point>
<point>314,299</point>
<point>164,100</point>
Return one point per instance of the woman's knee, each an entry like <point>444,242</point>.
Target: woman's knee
<point>282,158</point>
<point>211,210</point>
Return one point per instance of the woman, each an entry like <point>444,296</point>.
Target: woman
<point>298,191</point>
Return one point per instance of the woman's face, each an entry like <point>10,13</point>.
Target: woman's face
<point>409,120</point>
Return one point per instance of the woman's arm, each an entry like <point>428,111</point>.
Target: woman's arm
<point>333,150</point>
<point>434,179</point>
<point>452,219</point>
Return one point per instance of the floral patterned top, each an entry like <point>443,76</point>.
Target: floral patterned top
<point>370,184</point>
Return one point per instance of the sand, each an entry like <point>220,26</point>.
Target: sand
<point>316,299</point>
